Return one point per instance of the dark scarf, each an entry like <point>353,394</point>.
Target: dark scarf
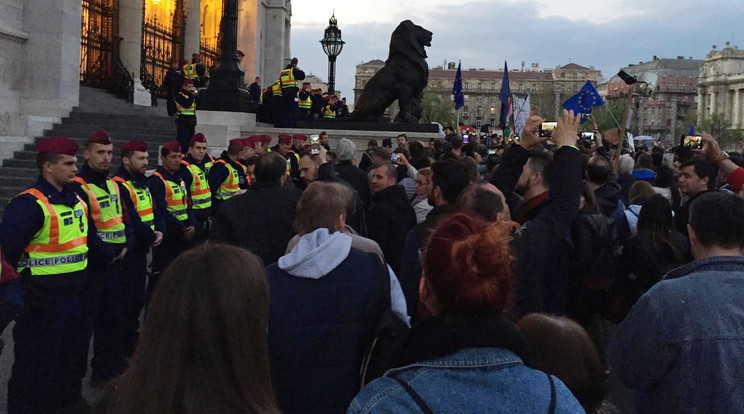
<point>440,336</point>
<point>524,213</point>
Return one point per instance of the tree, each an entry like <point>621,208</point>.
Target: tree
<point>604,116</point>
<point>436,109</point>
<point>720,128</point>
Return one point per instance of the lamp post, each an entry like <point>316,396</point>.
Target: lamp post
<point>225,91</point>
<point>332,46</point>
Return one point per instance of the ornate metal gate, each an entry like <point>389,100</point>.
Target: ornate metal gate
<point>98,36</point>
<point>162,45</point>
<point>210,51</point>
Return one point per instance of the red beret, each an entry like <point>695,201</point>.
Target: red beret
<point>249,143</point>
<point>253,138</point>
<point>100,137</point>
<point>237,142</point>
<point>240,53</point>
<point>299,137</point>
<point>188,82</point>
<point>294,61</point>
<point>58,145</point>
<point>172,146</point>
<point>286,139</point>
<point>266,138</point>
<point>199,137</point>
<point>135,146</point>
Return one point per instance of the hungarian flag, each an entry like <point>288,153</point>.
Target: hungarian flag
<point>507,105</point>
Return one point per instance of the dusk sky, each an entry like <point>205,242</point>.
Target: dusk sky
<point>606,34</point>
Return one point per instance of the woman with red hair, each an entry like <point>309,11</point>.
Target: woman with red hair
<point>466,357</point>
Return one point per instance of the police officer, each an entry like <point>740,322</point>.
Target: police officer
<point>298,142</point>
<point>102,290</point>
<point>186,114</point>
<point>288,78</point>
<point>305,103</point>
<point>328,110</point>
<point>277,106</point>
<point>195,71</point>
<point>227,174</point>
<point>170,198</point>
<point>265,144</point>
<point>47,234</point>
<point>283,147</point>
<point>148,232</point>
<point>194,171</point>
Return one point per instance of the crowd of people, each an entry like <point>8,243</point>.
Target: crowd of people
<point>430,277</point>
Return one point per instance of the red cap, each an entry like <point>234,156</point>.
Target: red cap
<point>240,53</point>
<point>187,82</point>
<point>172,146</point>
<point>100,137</point>
<point>58,145</point>
<point>286,139</point>
<point>135,146</point>
<point>248,142</point>
<point>266,138</point>
<point>199,137</point>
<point>299,137</point>
<point>237,142</point>
<point>253,138</point>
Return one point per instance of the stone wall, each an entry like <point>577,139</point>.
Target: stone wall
<point>12,57</point>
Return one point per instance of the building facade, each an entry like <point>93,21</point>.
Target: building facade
<point>547,88</point>
<point>669,112</point>
<point>720,88</point>
<point>49,48</point>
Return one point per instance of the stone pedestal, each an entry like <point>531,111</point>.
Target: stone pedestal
<point>142,96</point>
<point>220,127</point>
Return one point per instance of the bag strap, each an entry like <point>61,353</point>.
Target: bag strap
<point>415,396</point>
<point>551,410</point>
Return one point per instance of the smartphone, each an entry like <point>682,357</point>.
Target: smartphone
<point>464,138</point>
<point>692,141</point>
<point>588,136</point>
<point>491,151</point>
<point>315,144</point>
<point>546,129</point>
<point>394,157</point>
<point>489,140</point>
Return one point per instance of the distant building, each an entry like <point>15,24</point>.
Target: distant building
<point>668,113</point>
<point>721,84</point>
<point>547,88</point>
<point>316,82</point>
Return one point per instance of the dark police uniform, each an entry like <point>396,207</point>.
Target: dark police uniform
<point>194,174</point>
<point>288,78</point>
<point>171,202</point>
<point>136,198</point>
<point>102,290</point>
<point>46,333</point>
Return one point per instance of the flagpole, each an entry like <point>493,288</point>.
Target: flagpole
<point>457,123</point>
<point>612,115</point>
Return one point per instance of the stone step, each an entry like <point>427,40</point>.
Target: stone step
<point>17,181</point>
<point>117,119</point>
<point>87,129</point>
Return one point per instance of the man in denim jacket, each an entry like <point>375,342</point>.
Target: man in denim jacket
<point>682,343</point>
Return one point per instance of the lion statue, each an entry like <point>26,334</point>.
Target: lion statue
<point>403,77</point>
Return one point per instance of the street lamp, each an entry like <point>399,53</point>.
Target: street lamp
<point>332,46</point>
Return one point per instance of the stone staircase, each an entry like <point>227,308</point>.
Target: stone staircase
<point>124,122</point>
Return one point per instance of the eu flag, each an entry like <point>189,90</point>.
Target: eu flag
<point>457,95</point>
<point>584,101</point>
<point>505,98</point>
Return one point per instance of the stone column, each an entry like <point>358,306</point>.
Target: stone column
<point>712,104</point>
<point>700,105</point>
<point>52,64</point>
<point>130,48</point>
<point>192,29</point>
<point>737,108</point>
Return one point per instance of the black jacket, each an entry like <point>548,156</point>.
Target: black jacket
<point>648,262</point>
<point>356,215</point>
<point>541,245</point>
<point>607,197</point>
<point>356,177</point>
<point>388,223</point>
<point>261,220</point>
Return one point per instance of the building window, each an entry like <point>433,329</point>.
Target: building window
<point>465,86</point>
<point>480,86</point>
<point>480,98</point>
<point>521,87</point>
<point>477,123</point>
<point>493,110</point>
<point>479,111</point>
<point>493,86</point>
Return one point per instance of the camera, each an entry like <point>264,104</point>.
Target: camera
<point>394,157</point>
<point>692,141</point>
<point>587,136</point>
<point>546,129</point>
<point>314,144</point>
